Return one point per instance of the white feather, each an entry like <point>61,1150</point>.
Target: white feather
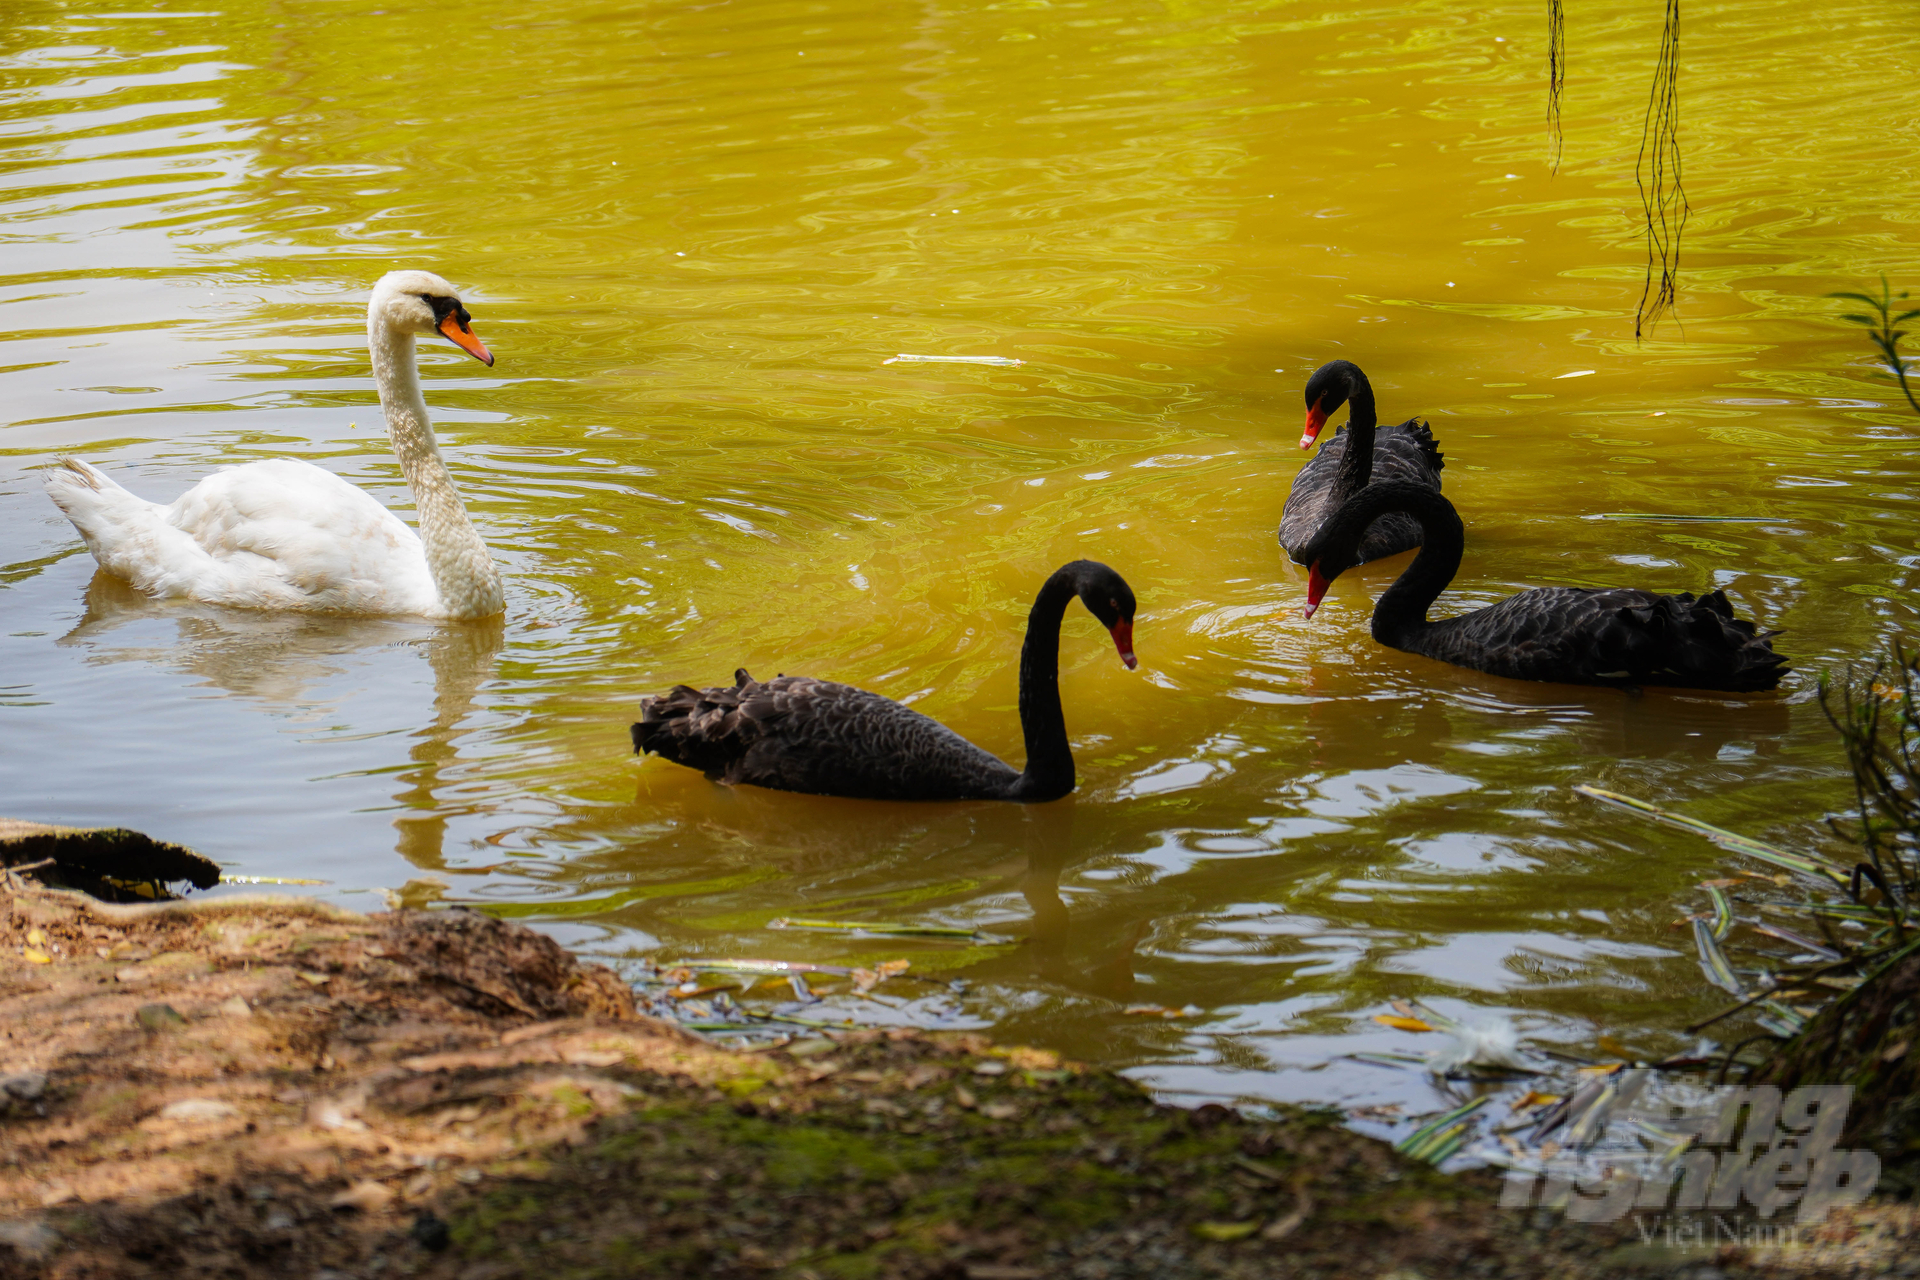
<point>1487,1043</point>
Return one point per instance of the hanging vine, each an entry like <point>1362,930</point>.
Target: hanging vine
<point>1663,200</point>
<point>1556,80</point>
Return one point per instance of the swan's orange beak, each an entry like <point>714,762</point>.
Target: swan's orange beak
<point>1316,419</point>
<point>1123,641</point>
<point>1316,588</point>
<point>464,339</point>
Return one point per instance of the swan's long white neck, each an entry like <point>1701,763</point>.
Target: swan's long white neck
<point>464,573</point>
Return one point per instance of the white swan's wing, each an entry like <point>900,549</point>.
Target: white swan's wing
<point>279,534</point>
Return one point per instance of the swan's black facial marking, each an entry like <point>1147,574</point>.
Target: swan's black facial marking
<point>453,323</point>
<point>444,307</point>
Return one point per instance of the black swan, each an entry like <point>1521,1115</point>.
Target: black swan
<point>1354,457</point>
<point>795,733</point>
<point>1617,636</point>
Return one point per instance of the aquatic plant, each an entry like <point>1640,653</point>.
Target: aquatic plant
<point>1881,331</point>
<point>1843,1008</point>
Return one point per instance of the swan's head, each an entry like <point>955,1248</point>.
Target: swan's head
<point>421,302</point>
<point>1108,598</point>
<point>1327,390</point>
<point>1324,563</point>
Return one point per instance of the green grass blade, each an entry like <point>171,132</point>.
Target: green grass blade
<point>1721,836</point>
<point>1437,1132</point>
<point>1713,961</point>
<point>1792,1017</point>
<point>1722,913</point>
<point>1849,911</point>
<point>881,930</point>
<point>1800,940</point>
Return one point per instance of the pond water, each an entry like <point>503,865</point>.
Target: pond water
<point>695,234</point>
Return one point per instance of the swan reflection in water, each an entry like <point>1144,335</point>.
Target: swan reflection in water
<point>293,664</point>
<point>794,854</point>
<point>1057,947</point>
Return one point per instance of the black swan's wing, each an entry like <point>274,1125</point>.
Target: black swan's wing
<point>1312,499</point>
<point>1615,635</point>
<point>795,733</point>
<point>1406,452</point>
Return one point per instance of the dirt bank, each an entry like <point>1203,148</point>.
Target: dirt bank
<point>259,1087</point>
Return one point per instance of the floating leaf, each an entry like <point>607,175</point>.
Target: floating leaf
<point>1614,1047</point>
<point>1713,961</point>
<point>1440,1021</point>
<point>1403,1024</point>
<point>1587,1115</point>
<point>1721,836</point>
<point>1820,949</point>
<point>865,980</point>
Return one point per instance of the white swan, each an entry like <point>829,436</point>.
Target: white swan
<point>284,534</point>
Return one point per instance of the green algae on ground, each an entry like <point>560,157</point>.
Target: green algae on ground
<point>902,1155</point>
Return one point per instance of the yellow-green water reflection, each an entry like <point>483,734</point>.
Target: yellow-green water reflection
<point>695,234</point>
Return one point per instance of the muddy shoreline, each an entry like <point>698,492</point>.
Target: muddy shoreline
<point>261,1086</point>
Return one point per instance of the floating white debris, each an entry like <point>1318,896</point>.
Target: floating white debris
<point>904,358</point>
<point>1577,373</point>
<point>1488,1043</point>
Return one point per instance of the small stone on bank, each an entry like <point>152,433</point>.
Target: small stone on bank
<point>367,1197</point>
<point>199,1111</point>
<point>235,1007</point>
<point>24,1085</point>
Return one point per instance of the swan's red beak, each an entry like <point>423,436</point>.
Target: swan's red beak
<point>1123,641</point>
<point>1316,419</point>
<point>464,339</point>
<point>1316,588</point>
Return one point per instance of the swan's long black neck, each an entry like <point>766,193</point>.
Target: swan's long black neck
<point>1049,771</point>
<point>1400,617</point>
<point>1357,466</point>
